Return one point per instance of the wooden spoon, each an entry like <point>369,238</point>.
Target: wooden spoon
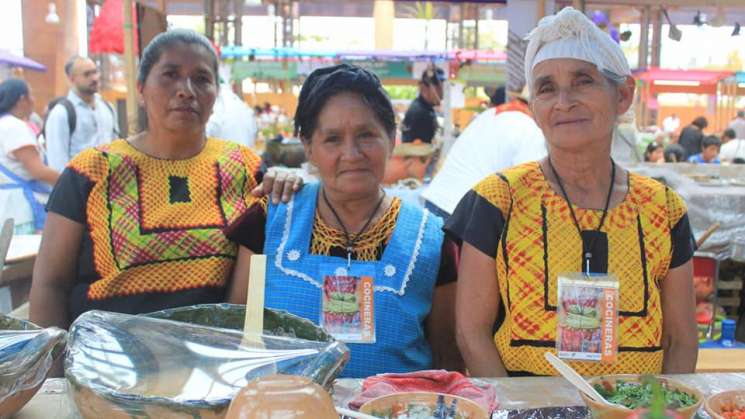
<point>253,327</point>
<point>576,380</point>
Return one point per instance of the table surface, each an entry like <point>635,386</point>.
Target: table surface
<point>23,246</point>
<point>53,402</point>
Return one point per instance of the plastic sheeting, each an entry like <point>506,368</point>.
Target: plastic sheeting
<point>713,194</point>
<point>26,355</point>
<point>153,367</point>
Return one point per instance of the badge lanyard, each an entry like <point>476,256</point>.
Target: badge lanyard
<point>586,250</point>
<point>351,242</point>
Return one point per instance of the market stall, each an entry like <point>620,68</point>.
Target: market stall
<point>717,86</point>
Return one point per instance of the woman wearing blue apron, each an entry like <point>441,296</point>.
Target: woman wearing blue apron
<point>25,181</point>
<point>374,271</point>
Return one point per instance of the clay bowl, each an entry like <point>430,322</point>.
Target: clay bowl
<point>716,403</point>
<point>600,410</point>
<point>282,396</point>
<point>15,392</point>
<point>157,369</point>
<point>394,404</point>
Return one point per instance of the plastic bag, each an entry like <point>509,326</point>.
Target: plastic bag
<point>154,367</point>
<point>26,355</point>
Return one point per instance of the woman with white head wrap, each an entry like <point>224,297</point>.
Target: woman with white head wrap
<point>574,211</point>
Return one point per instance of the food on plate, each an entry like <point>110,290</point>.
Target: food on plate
<point>639,394</point>
<point>423,405</point>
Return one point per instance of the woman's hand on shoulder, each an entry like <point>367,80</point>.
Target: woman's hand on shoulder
<point>280,184</point>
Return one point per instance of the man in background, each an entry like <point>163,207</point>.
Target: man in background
<point>420,121</point>
<point>738,124</point>
<point>80,120</point>
<point>232,119</point>
<point>732,147</point>
<point>496,139</point>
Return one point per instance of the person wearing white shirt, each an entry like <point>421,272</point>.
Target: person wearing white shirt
<point>490,143</point>
<point>232,119</point>
<point>94,119</point>
<point>738,124</point>
<point>24,179</point>
<point>671,124</point>
<point>732,147</point>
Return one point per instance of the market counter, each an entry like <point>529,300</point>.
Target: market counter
<point>53,402</point>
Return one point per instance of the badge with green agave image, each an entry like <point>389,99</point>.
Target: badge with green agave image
<point>587,317</point>
<point>347,308</point>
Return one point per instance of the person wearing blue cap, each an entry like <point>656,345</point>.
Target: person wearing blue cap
<point>24,178</point>
<point>420,121</point>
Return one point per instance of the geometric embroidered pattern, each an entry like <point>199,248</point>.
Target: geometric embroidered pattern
<point>145,242</point>
<point>541,242</point>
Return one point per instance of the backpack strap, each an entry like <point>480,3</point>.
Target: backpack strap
<point>72,117</point>
<point>113,116</point>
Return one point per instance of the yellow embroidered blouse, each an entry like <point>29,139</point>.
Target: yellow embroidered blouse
<point>154,228</point>
<point>518,219</point>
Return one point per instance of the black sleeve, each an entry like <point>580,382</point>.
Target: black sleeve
<point>683,243</point>
<point>448,262</point>
<point>69,197</point>
<point>477,222</point>
<point>248,230</point>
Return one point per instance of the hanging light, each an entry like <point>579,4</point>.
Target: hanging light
<point>699,19</point>
<point>52,16</point>
<point>674,33</point>
<point>736,31</point>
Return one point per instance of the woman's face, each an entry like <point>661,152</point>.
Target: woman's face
<point>26,105</point>
<point>181,88</point>
<point>574,104</point>
<point>658,155</point>
<point>349,146</point>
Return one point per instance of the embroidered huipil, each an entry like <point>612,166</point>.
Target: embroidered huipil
<point>516,217</point>
<point>154,227</point>
<point>405,277</point>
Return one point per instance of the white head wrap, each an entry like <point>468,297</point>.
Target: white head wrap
<point>570,34</point>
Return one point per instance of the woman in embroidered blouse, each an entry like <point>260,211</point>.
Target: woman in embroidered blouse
<point>521,228</point>
<point>136,226</point>
<point>347,224</point>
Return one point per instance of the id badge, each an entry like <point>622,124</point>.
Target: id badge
<point>587,317</point>
<point>347,303</point>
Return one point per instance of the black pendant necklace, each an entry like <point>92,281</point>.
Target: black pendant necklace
<point>586,250</point>
<point>351,242</point>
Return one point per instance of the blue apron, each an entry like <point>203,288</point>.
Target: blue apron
<point>29,187</point>
<point>405,278</point>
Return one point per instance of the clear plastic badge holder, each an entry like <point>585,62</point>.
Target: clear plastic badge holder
<point>26,355</point>
<point>347,302</point>
<point>587,321</point>
<point>153,367</point>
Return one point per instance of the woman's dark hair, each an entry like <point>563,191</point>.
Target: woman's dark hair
<point>152,52</point>
<point>326,82</point>
<point>11,91</point>
<point>700,122</point>
<point>729,133</point>
<point>651,148</point>
<point>675,153</point>
<point>711,140</point>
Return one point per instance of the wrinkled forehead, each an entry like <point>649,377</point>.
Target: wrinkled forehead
<point>557,68</point>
